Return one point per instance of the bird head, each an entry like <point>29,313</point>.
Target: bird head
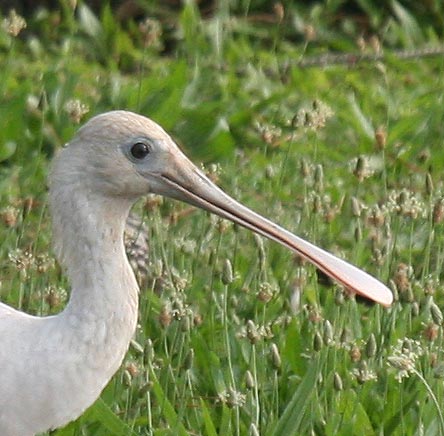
<point>123,155</point>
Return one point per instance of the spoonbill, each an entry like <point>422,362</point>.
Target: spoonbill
<point>54,367</point>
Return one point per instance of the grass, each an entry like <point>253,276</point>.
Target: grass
<point>236,336</point>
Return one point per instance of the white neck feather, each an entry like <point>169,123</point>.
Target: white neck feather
<point>88,234</point>
<point>66,360</point>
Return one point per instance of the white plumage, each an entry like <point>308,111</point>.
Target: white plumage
<point>53,368</point>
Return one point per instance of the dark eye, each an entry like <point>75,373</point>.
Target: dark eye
<point>140,150</point>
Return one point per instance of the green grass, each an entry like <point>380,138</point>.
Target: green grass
<point>241,355</point>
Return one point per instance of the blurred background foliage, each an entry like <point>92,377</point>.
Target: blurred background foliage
<point>153,56</point>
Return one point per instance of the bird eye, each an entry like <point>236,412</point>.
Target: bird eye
<point>140,150</point>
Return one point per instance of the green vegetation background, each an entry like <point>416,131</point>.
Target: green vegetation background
<point>236,335</point>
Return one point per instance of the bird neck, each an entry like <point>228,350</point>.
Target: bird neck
<point>88,234</point>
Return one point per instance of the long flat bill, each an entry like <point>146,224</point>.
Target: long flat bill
<point>183,181</point>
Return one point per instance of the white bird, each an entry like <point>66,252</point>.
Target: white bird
<point>53,368</point>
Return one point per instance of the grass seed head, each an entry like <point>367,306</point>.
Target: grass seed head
<point>279,11</point>
<point>153,202</point>
<point>55,296</point>
<point>165,316</point>
<point>269,133</point>
<point>227,272</point>
<point>151,31</point>
<point>197,320</point>
<point>275,356</point>
<point>310,33</point>
<point>127,378</point>
<point>434,360</point>
<point>361,43</point>
<point>431,332</point>
<point>306,169</point>
<point>317,342</point>
<point>317,204</point>
<point>22,260</point>
<point>249,380</point>
<point>436,313</point>
<point>375,44</point>
<point>43,263</point>
<point>357,207</point>
<point>406,204</point>
<point>380,137</point>
<point>148,351</point>
<point>402,277</point>
<point>270,172</point>
<point>327,333</point>
<point>361,170</point>
<point>13,24</point>
<point>430,286</point>
<point>9,216</point>
<point>438,212</point>
<point>266,292</point>
<point>370,346</point>
<point>295,298</point>
<point>232,398</point>
<point>339,297</point>
<point>253,333</point>
<point>376,216</point>
<point>314,118</point>
<point>363,373</point>
<point>133,369</point>
<point>136,347</point>
<point>345,336</point>
<point>337,382</point>
<point>355,353</point>
<point>404,356</point>
<point>314,315</point>
<point>76,110</point>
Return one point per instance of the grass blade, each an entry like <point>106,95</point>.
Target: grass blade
<point>210,429</point>
<point>169,413</point>
<point>291,419</point>
<point>102,413</point>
